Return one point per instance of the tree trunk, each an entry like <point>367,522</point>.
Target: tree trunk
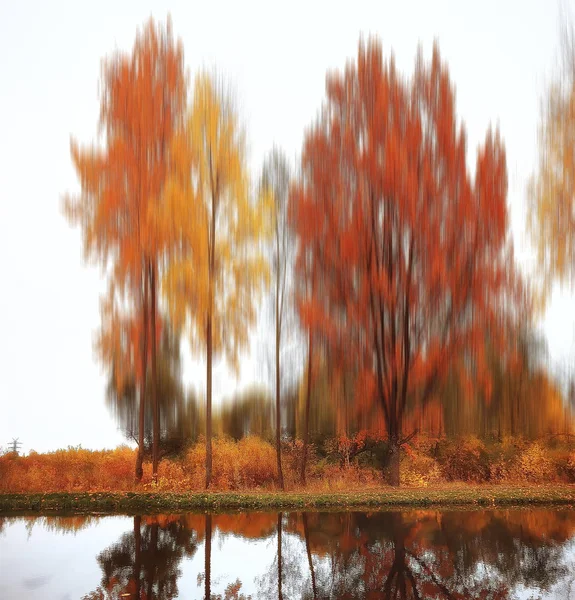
<point>155,404</point>
<point>308,551</point>
<point>280,515</point>
<point>307,409</point>
<point>278,405</point>
<point>209,325</point>
<point>144,364</point>
<point>208,557</point>
<point>209,403</point>
<point>393,473</point>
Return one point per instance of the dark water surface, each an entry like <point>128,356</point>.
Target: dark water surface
<point>512,553</point>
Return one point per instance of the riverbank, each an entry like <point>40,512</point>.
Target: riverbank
<point>385,498</point>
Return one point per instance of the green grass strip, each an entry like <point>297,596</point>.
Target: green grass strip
<point>155,502</point>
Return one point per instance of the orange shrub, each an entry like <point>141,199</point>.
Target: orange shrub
<point>251,462</point>
<point>535,466</point>
<point>328,477</point>
<point>465,459</point>
<point>569,467</point>
<point>417,469</point>
<point>74,469</point>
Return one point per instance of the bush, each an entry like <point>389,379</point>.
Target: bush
<point>251,462</point>
<point>418,469</point>
<point>74,469</point>
<point>357,448</point>
<point>535,466</point>
<point>570,467</point>
<point>503,458</point>
<point>465,460</point>
<point>329,477</point>
<point>292,459</point>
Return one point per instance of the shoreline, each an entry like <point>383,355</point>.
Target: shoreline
<point>470,496</point>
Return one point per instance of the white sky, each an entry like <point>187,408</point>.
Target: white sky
<point>500,53</point>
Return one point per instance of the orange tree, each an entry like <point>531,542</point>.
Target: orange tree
<point>122,182</point>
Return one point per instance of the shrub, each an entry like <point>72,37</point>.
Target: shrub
<point>465,459</point>
<point>292,459</point>
<point>329,477</point>
<point>68,470</point>
<point>251,462</point>
<point>570,467</point>
<point>418,469</point>
<point>534,464</point>
<point>351,449</point>
<point>503,458</point>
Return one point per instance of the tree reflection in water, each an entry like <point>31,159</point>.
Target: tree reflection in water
<point>394,555</point>
<point>428,554</point>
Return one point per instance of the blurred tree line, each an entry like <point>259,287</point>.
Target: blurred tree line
<point>381,249</point>
<point>524,401</point>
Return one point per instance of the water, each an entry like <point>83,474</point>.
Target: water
<point>527,553</point>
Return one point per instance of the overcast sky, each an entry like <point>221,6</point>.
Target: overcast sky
<point>500,54</point>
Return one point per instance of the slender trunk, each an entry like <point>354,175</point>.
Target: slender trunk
<point>308,550</point>
<point>155,404</point>
<point>511,406</point>
<point>394,448</point>
<point>280,515</point>
<point>143,374</point>
<point>208,557</point>
<point>138,559</point>
<point>307,409</point>
<point>278,405</point>
<point>394,429</point>
<point>441,418</point>
<point>209,403</point>
<point>209,325</point>
<point>519,421</point>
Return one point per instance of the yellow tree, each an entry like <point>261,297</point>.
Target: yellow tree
<point>122,183</point>
<point>551,191</point>
<point>216,266</point>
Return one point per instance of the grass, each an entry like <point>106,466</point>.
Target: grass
<point>385,498</point>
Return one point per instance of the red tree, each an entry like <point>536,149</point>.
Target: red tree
<point>411,254</point>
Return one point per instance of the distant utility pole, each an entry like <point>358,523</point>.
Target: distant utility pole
<point>15,443</point>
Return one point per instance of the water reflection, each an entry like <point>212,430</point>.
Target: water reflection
<point>418,554</point>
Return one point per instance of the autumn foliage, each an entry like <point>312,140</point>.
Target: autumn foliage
<point>122,182</point>
<point>397,259</point>
<point>250,464</point>
<point>411,252</point>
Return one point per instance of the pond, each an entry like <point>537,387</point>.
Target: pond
<point>510,553</point>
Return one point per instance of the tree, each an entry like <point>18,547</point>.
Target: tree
<point>275,181</point>
<point>122,182</point>
<point>216,267</point>
<point>305,274</point>
<point>413,259</point>
<point>551,190</point>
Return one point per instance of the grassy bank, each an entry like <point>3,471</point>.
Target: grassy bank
<point>135,502</point>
